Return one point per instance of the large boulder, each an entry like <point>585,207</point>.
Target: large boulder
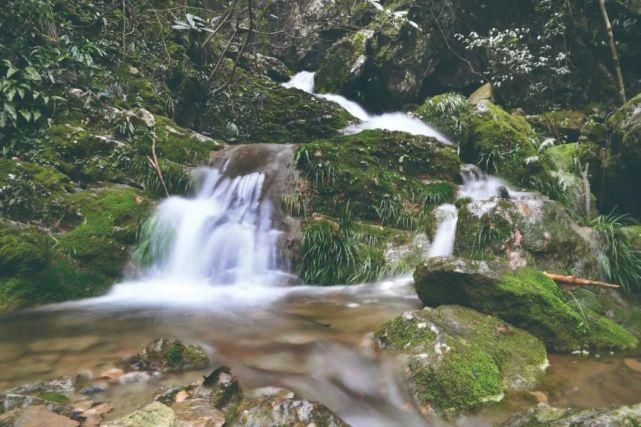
<point>458,358</point>
<point>544,415</point>
<point>527,230</point>
<point>385,64</point>
<point>526,298</point>
<point>623,160</point>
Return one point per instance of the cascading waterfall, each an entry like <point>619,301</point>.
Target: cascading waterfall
<point>445,235</point>
<point>223,234</point>
<point>304,81</point>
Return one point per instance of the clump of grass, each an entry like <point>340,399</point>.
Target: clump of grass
<point>391,211</point>
<point>320,172</point>
<point>335,253</point>
<point>294,204</point>
<point>621,263</point>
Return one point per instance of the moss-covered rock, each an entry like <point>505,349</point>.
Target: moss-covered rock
<point>525,298</point>
<point>382,174</point>
<point>450,113</point>
<point>170,355</point>
<point>110,219</point>
<point>544,415</point>
<point>347,66</point>
<point>532,231</point>
<point>622,166</point>
<point>34,271</point>
<point>153,415</point>
<point>501,143</point>
<point>459,359</point>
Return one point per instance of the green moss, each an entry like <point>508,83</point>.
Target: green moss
<point>181,145</point>
<point>33,272</point>
<point>525,298</point>
<point>54,396</point>
<point>374,167</point>
<point>111,219</point>
<point>336,76</point>
<point>467,378</point>
<point>400,335</point>
<point>450,113</point>
<point>500,143</point>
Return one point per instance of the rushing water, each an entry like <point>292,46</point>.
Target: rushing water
<point>388,121</point>
<point>215,278</point>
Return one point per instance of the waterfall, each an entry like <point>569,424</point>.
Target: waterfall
<point>388,121</point>
<point>445,235</point>
<point>222,234</point>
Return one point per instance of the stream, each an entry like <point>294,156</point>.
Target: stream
<point>214,277</point>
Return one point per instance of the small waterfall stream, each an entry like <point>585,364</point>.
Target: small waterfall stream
<point>222,234</point>
<point>394,121</point>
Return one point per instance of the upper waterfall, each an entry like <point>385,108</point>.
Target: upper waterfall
<point>396,121</point>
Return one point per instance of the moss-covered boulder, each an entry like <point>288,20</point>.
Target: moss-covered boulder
<point>622,167</point>
<point>525,298</point>
<point>544,415</point>
<point>348,64</point>
<point>458,358</point>
<point>450,113</point>
<point>285,411</point>
<point>264,112</point>
<point>34,271</point>
<point>502,144</point>
<point>529,230</point>
<point>565,125</point>
<point>373,169</point>
<point>365,201</point>
<point>170,355</point>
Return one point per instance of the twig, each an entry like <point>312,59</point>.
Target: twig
<point>156,165</point>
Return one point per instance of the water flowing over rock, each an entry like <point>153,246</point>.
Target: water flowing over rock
<point>388,121</point>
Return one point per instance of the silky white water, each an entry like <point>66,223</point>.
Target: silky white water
<point>445,235</point>
<point>395,121</point>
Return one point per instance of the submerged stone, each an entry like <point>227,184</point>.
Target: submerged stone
<point>169,355</point>
<point>458,358</point>
<point>525,298</point>
<point>544,415</point>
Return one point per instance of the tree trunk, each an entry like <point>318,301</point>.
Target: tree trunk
<point>585,175</point>
<point>613,51</point>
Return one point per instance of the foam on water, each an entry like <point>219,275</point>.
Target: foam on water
<point>394,121</point>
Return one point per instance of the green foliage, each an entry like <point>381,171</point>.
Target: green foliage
<point>620,261</point>
<point>450,113</point>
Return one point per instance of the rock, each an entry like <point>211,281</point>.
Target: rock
<point>112,374</point>
<point>541,397</point>
<point>633,364</point>
<point>153,415</point>
<point>529,229</point>
<point>501,142</point>
<point>458,359</point>
<point>170,355</point>
<point>198,413</point>
<point>566,124</point>
<point>543,414</point>
<point>289,412</point>
<point>623,161</point>
<point>97,411</point>
<point>36,416</point>
<point>483,93</point>
<point>525,298</point>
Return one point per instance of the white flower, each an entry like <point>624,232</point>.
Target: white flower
<point>11,176</point>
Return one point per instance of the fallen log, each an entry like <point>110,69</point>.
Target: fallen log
<point>576,281</point>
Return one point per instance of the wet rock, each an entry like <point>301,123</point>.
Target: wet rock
<point>36,416</point>
<point>524,298</point>
<point>543,414</point>
<point>530,228</point>
<point>97,411</point>
<point>458,358</point>
<point>170,355</point>
<point>483,93</point>
<point>290,412</point>
<point>153,415</point>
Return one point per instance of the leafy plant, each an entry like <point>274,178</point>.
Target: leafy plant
<point>621,263</point>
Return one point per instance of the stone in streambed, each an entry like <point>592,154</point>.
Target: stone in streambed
<point>524,298</point>
<point>458,358</point>
<point>544,415</point>
<point>153,415</point>
<point>170,355</point>
<point>36,416</point>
